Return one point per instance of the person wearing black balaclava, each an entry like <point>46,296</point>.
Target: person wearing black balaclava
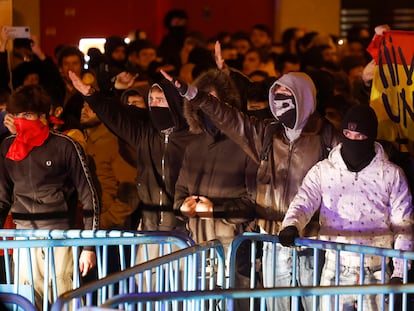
<point>160,141</point>
<point>285,147</point>
<point>362,199</point>
<point>356,152</point>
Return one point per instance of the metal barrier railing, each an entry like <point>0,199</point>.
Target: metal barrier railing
<point>206,297</point>
<point>11,301</point>
<point>234,294</point>
<point>315,246</point>
<point>196,277</point>
<point>102,240</point>
<point>199,267</point>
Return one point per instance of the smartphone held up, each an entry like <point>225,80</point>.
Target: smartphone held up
<point>18,32</point>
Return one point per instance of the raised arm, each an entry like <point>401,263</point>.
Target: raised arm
<point>246,132</point>
<point>122,121</point>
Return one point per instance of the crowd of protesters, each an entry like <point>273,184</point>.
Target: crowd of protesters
<point>210,136</point>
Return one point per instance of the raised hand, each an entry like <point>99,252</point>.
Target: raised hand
<point>4,37</point>
<point>379,30</point>
<point>9,123</point>
<point>368,72</point>
<point>78,84</point>
<point>124,80</point>
<point>217,56</point>
<point>180,86</point>
<point>35,44</point>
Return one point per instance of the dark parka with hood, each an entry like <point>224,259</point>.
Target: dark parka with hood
<point>284,155</point>
<point>217,168</point>
<point>159,153</point>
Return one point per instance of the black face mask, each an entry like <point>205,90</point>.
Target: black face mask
<point>285,108</point>
<point>357,154</point>
<point>161,118</point>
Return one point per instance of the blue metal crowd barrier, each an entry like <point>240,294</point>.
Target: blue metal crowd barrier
<point>16,302</point>
<point>48,240</point>
<point>197,277</point>
<point>314,245</point>
<point>199,267</point>
<point>234,294</point>
<point>206,297</point>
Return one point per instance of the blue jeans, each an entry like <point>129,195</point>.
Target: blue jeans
<point>277,272</point>
<point>350,276</point>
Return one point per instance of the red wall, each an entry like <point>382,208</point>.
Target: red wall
<point>66,21</point>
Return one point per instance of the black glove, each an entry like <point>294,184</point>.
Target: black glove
<point>288,235</point>
<point>185,90</point>
<point>397,297</point>
<point>182,88</point>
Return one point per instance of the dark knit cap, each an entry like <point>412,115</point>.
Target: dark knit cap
<point>23,70</point>
<point>361,118</point>
<point>29,98</point>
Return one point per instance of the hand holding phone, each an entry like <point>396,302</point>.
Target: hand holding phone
<point>18,32</point>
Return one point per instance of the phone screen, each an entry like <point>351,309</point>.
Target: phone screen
<point>18,32</point>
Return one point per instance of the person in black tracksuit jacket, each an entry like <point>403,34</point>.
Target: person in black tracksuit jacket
<point>43,176</point>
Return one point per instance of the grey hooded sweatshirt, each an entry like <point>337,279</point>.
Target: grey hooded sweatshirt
<point>284,155</point>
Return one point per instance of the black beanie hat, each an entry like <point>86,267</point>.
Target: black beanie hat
<point>23,70</point>
<point>361,118</point>
<point>112,43</point>
<point>29,98</point>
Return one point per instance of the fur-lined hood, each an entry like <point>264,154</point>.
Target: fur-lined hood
<point>211,80</point>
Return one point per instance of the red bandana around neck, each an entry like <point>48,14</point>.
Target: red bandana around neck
<point>29,134</point>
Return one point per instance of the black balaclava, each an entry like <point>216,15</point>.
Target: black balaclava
<point>357,154</point>
<point>285,109</point>
<point>161,117</point>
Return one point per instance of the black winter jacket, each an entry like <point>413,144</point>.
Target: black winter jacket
<point>43,189</point>
<point>159,154</point>
<point>282,162</point>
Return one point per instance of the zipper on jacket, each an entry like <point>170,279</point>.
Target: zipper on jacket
<point>356,176</point>
<point>166,140</point>
<point>286,183</point>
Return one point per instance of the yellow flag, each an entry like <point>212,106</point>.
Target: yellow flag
<point>392,86</point>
